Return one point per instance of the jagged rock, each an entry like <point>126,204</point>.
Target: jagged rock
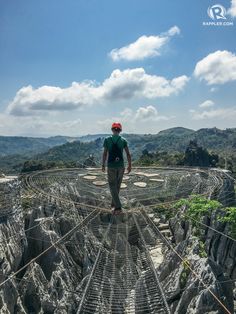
<point>156,221</point>
<point>220,266</point>
<point>179,229</point>
<point>149,236</point>
<point>55,282</point>
<point>197,299</point>
<point>163,227</point>
<point>221,249</point>
<point>156,255</point>
<point>186,292</point>
<point>166,233</point>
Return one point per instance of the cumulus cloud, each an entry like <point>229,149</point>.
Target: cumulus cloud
<point>148,113</point>
<point>30,101</point>
<point>232,9</point>
<point>121,85</point>
<point>133,118</point>
<point>207,104</point>
<point>143,47</point>
<point>220,113</point>
<point>218,67</point>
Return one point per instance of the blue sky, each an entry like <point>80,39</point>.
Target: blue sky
<point>149,64</point>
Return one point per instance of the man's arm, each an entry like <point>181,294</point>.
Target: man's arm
<point>128,158</point>
<point>104,158</point>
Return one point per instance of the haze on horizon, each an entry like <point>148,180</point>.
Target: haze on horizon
<point>72,67</point>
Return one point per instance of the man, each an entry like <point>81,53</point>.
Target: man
<point>113,147</point>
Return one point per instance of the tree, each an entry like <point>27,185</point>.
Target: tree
<point>197,156</point>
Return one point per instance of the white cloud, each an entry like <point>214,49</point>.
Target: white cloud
<point>30,101</point>
<point>221,113</point>
<point>218,67</point>
<point>206,104</point>
<point>143,47</point>
<point>173,31</point>
<point>132,119</point>
<point>132,83</point>
<point>121,85</point>
<point>148,113</point>
<point>12,125</point>
<point>232,9</point>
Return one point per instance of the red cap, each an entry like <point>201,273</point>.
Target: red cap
<point>116,125</point>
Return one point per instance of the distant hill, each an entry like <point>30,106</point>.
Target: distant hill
<point>176,140</point>
<point>217,140</point>
<point>91,137</point>
<point>170,140</point>
<point>11,145</point>
<point>66,149</point>
<point>74,151</point>
<point>178,131</point>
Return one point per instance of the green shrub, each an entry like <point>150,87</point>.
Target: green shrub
<point>184,274</point>
<point>26,204</point>
<point>230,217</point>
<point>197,206</point>
<point>202,250</point>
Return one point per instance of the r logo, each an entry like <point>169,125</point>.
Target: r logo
<point>217,12</point>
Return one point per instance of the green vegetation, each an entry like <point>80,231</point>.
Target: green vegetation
<point>20,145</point>
<point>12,164</point>
<point>197,206</point>
<point>73,151</point>
<point>166,210</point>
<point>230,217</point>
<point>159,159</point>
<point>68,155</point>
<point>26,204</point>
<point>197,156</point>
<point>194,156</point>
<point>175,140</point>
<point>34,165</point>
<point>202,249</point>
<point>184,274</point>
<point>167,148</point>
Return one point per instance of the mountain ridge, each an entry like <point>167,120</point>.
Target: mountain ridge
<point>73,149</point>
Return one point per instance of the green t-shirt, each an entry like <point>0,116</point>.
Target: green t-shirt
<point>121,143</point>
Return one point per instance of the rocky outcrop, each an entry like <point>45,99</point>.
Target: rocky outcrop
<point>55,281</point>
<point>211,255</point>
<point>49,283</point>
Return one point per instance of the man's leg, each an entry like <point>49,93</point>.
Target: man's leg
<point>111,178</point>
<point>113,185</point>
<point>120,175</point>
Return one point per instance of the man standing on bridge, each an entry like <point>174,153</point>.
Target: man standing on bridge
<point>113,147</point>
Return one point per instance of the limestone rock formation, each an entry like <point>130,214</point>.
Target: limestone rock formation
<point>188,293</point>
<point>55,282</point>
